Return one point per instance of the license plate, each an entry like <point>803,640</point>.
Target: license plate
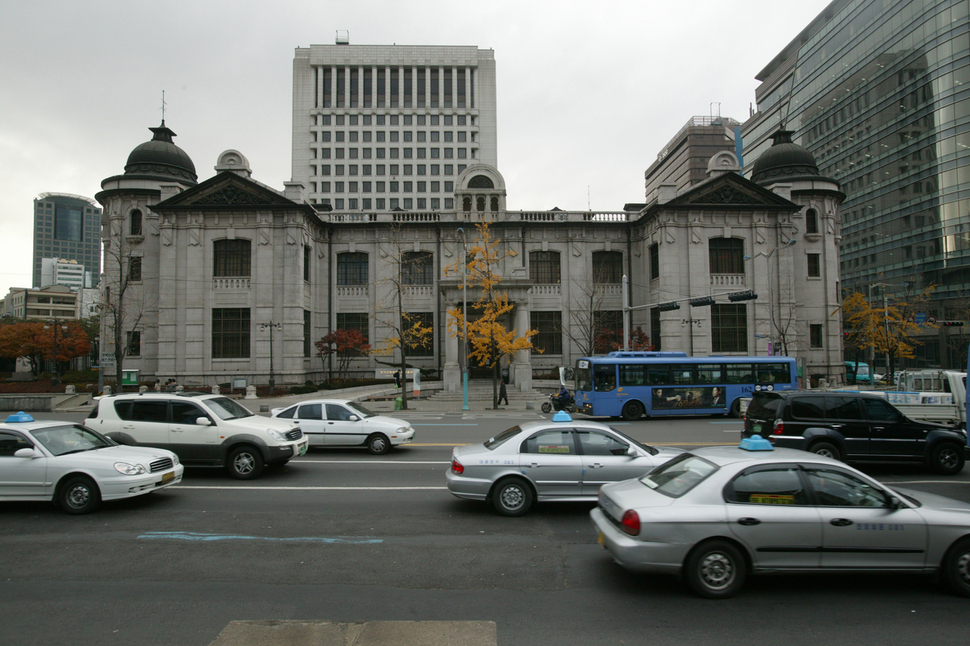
<point>303,449</point>
<point>601,540</point>
<point>168,476</point>
<point>756,428</point>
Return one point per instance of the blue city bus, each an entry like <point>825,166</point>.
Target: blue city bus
<point>631,384</point>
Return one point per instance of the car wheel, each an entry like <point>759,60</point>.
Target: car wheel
<point>715,570</point>
<point>245,463</point>
<point>378,444</point>
<point>632,411</point>
<point>827,450</point>
<point>956,568</point>
<point>79,495</point>
<point>546,407</point>
<point>512,497</point>
<point>947,459</point>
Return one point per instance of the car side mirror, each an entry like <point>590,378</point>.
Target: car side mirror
<point>353,418</point>
<point>895,503</point>
<point>203,421</point>
<point>631,451</point>
<point>28,453</point>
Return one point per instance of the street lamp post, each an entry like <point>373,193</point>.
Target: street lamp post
<point>56,324</point>
<point>771,299</point>
<point>464,320</point>
<point>885,316</point>
<point>262,328</point>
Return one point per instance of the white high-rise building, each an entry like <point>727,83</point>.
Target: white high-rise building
<point>390,127</point>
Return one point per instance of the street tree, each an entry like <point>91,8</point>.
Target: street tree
<point>489,339</point>
<point>346,345</point>
<point>23,340</point>
<point>890,329</point>
<point>408,330</point>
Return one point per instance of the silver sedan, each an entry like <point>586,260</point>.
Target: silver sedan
<point>539,461</point>
<point>717,514</point>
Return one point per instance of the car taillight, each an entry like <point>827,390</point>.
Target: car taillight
<point>630,522</point>
<point>778,428</point>
<point>456,466</point>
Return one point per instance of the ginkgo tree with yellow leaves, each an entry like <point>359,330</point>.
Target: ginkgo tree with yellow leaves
<point>489,340</point>
<point>887,328</point>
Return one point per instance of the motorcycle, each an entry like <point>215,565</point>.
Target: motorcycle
<point>555,403</point>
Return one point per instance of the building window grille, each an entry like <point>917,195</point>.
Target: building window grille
<point>231,258</point>
<point>230,333</point>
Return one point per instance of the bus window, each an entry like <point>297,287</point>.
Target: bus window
<point>604,378</point>
<point>633,375</point>
<point>584,378</point>
<point>657,375</point>
<point>710,374</point>
<point>740,373</point>
<point>682,374</point>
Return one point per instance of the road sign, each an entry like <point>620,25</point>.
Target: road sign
<point>107,360</point>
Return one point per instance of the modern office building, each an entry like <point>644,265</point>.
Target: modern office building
<point>390,127</point>
<point>683,161</point>
<point>879,93</point>
<point>69,273</point>
<point>67,227</point>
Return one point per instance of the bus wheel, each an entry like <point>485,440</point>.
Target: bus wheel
<point>736,408</point>
<point>632,411</point>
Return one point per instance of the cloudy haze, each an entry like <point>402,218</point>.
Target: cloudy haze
<point>588,93</point>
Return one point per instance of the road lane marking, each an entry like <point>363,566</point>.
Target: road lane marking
<point>371,462</point>
<point>243,488</point>
<point>194,536</point>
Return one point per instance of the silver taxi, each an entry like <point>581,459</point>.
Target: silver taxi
<point>719,513</point>
<point>562,460</point>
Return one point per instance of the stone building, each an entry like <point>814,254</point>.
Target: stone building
<point>230,278</point>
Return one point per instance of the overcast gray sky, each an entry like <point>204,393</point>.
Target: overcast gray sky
<point>588,92</point>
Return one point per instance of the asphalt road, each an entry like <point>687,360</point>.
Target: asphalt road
<point>344,536</point>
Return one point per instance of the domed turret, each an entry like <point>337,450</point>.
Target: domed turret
<point>785,161</point>
<point>161,158</point>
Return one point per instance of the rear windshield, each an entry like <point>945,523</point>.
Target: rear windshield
<point>764,406</point>
<point>678,476</point>
<point>502,438</point>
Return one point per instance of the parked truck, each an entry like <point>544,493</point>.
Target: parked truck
<point>932,395</point>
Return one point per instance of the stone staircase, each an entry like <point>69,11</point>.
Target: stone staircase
<point>480,390</point>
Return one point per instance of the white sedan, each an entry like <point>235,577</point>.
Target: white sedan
<point>76,467</point>
<point>342,422</point>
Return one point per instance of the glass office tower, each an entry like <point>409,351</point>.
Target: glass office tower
<point>879,92</point>
<point>67,227</point>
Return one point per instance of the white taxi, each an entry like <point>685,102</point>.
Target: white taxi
<point>76,467</point>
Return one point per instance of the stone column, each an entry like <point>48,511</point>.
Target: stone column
<point>452,370</point>
<point>520,371</point>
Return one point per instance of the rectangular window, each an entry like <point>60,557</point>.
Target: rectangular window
<point>306,263</point>
<point>231,259</point>
<point>814,265</point>
<point>654,261</point>
<point>353,321</point>
<point>230,333</point>
<point>729,328</point>
<point>307,335</point>
<point>815,335</point>
<point>417,268</point>
<point>726,255</point>
<point>549,338</point>
<point>607,267</point>
<point>426,320</point>
<point>607,331</point>
<point>133,342</point>
<point>134,269</point>
<point>655,338</point>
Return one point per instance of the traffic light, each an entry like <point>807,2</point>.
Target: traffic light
<point>666,307</point>
<point>702,301</point>
<point>951,323</point>
<point>746,295</point>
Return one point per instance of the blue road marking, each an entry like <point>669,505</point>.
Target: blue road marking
<point>193,536</point>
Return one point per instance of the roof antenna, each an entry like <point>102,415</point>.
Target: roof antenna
<point>163,107</point>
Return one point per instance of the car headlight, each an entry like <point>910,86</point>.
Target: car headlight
<point>404,429</point>
<point>276,435</point>
<point>175,460</point>
<point>128,469</point>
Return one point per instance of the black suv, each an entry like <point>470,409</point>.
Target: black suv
<point>853,427</point>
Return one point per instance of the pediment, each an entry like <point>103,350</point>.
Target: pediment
<point>729,190</point>
<point>230,191</point>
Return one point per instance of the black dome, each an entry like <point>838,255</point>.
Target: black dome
<point>784,161</point>
<point>160,157</point>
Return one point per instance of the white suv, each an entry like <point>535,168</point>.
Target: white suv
<point>203,430</point>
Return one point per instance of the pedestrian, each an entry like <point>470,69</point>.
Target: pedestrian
<point>503,394</point>
<point>397,378</point>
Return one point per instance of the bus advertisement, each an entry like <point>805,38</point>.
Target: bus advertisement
<point>631,384</point>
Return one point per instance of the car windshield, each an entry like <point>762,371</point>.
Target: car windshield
<point>501,438</point>
<point>646,447</point>
<point>226,408</point>
<point>62,440</point>
<point>680,475</point>
<point>360,410</point>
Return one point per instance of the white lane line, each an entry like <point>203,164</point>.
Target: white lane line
<point>242,488</point>
<point>365,461</point>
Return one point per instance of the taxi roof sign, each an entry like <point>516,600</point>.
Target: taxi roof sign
<point>19,417</point>
<point>756,443</point>
<point>562,416</point>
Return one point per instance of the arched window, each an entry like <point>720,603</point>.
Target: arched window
<point>417,268</point>
<point>466,204</point>
<point>480,201</point>
<point>134,226</point>
<point>480,181</point>
<point>726,255</point>
<point>352,268</point>
<point>544,267</point>
<point>607,267</point>
<point>231,258</point>
<point>494,204</point>
<point>811,221</point>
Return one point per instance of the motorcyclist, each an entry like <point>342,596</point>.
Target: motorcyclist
<point>564,397</point>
